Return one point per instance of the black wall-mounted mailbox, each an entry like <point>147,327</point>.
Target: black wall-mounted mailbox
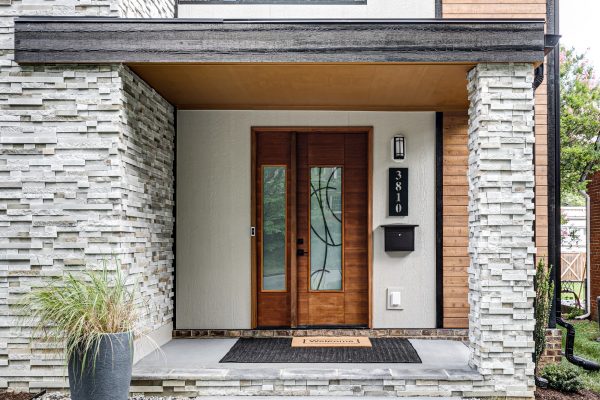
<point>399,237</point>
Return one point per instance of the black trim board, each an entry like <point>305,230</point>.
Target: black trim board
<point>438,9</point>
<point>115,40</point>
<point>439,219</point>
<point>554,236</point>
<point>174,233</point>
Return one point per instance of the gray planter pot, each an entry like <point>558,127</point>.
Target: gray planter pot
<point>109,375</point>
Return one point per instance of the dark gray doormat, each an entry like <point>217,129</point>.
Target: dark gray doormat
<point>280,350</point>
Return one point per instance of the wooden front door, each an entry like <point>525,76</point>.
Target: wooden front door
<point>312,219</point>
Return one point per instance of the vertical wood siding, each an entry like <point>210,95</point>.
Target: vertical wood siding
<point>455,198</point>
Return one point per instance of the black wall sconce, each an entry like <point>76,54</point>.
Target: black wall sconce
<point>398,148</point>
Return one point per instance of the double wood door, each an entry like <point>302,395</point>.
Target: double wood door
<point>312,219</point>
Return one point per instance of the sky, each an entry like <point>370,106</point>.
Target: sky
<point>580,27</point>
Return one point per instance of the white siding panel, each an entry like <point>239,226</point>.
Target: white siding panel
<point>213,214</point>
<point>373,9</point>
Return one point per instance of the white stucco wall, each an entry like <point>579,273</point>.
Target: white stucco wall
<point>373,9</point>
<point>213,214</point>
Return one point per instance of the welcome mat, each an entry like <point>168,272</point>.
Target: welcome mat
<point>280,350</point>
<point>331,341</point>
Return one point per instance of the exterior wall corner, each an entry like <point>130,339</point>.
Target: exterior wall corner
<point>88,155</point>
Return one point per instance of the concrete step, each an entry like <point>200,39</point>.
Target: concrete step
<point>193,368</point>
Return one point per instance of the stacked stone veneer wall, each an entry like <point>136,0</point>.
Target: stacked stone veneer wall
<point>501,218</point>
<point>147,8</point>
<point>86,172</point>
<point>147,188</point>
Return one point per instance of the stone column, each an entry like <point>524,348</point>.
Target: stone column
<point>501,219</point>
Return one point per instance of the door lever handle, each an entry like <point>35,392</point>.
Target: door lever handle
<point>300,252</point>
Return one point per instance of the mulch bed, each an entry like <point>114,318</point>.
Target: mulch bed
<point>549,394</point>
<point>540,394</point>
<point>15,396</point>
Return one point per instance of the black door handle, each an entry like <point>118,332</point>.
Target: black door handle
<point>300,252</point>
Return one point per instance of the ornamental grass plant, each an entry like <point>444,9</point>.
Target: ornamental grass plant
<point>80,310</point>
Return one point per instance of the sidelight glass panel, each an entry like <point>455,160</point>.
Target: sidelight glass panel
<point>274,228</point>
<point>326,228</point>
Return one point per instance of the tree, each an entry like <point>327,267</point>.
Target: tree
<point>579,125</point>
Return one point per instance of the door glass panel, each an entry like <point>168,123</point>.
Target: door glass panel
<point>274,228</point>
<point>326,228</point>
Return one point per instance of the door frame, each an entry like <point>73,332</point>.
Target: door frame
<point>294,130</point>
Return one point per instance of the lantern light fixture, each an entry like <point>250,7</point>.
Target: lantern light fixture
<point>398,148</point>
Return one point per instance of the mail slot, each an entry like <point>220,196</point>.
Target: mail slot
<point>399,237</point>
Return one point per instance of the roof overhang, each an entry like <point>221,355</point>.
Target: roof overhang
<point>110,40</point>
<point>404,65</point>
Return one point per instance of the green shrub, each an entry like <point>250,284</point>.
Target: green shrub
<point>573,313</point>
<point>544,293</point>
<point>563,377</point>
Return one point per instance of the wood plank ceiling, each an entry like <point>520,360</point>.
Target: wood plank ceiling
<point>385,87</point>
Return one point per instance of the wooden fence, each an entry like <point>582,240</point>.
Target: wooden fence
<point>573,267</point>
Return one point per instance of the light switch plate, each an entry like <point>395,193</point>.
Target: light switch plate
<point>394,298</point>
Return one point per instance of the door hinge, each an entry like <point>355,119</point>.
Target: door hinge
<point>252,231</point>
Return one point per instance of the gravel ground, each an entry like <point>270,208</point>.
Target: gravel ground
<point>64,396</point>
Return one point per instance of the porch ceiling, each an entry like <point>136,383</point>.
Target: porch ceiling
<point>385,87</point>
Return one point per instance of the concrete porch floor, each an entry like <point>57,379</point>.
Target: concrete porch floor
<point>192,366</point>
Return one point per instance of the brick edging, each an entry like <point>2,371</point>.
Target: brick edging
<point>444,334</point>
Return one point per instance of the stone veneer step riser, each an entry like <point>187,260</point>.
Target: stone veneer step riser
<point>438,334</point>
<point>313,387</point>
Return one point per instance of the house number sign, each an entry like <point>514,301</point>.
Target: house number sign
<point>398,192</point>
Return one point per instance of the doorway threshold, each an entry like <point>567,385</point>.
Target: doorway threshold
<point>461,335</point>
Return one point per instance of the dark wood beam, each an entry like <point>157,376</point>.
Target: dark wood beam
<point>115,40</point>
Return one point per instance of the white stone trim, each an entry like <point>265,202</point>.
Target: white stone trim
<point>154,340</point>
